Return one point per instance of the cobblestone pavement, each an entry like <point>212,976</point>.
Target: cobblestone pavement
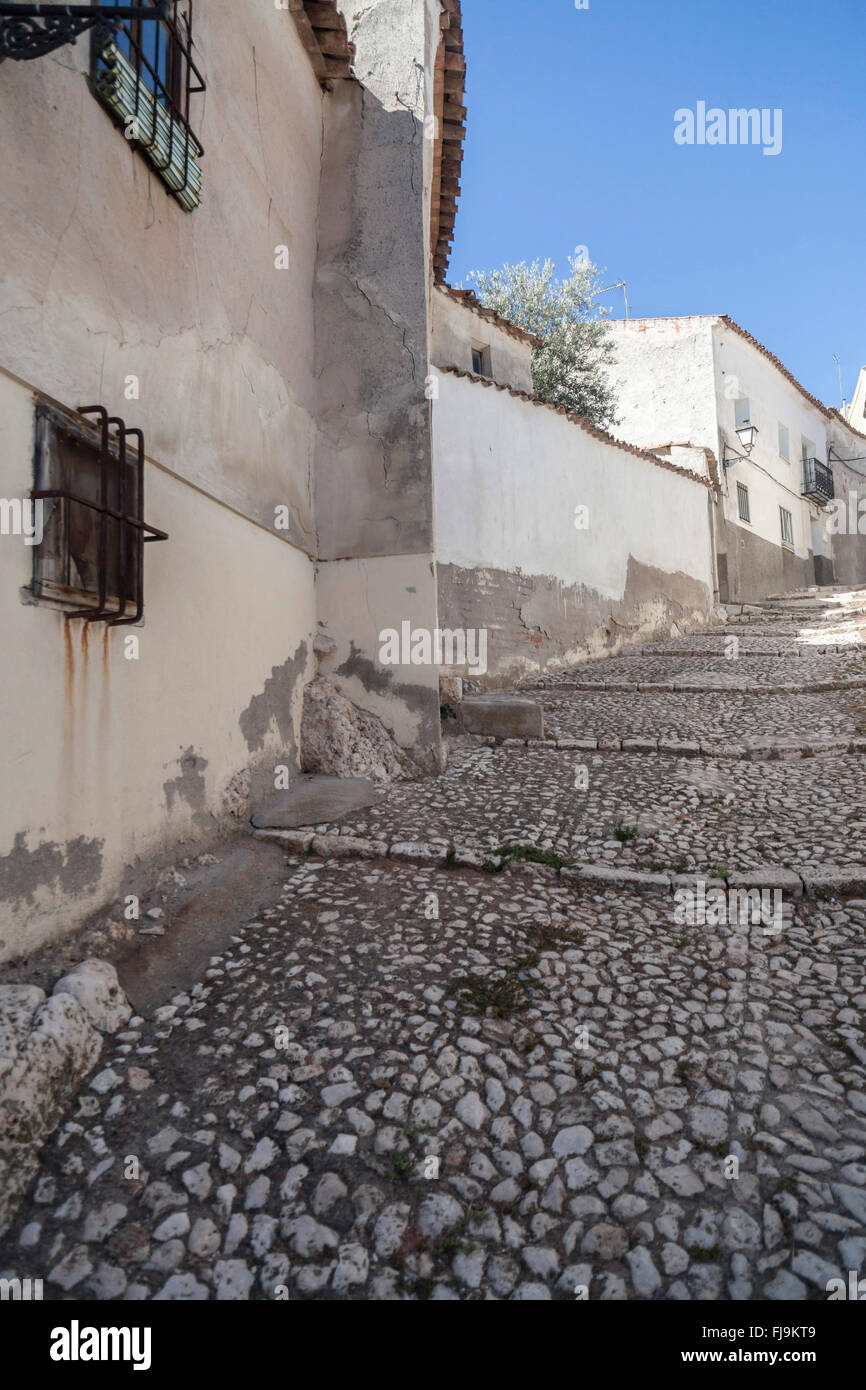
<point>412,1081</point>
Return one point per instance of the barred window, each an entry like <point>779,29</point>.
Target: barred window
<point>787,528</point>
<point>89,482</point>
<point>145,77</point>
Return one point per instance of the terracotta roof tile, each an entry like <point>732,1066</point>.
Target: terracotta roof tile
<point>323,33</point>
<point>449,84</point>
<point>471,301</point>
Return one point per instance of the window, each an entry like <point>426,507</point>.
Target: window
<point>89,476</point>
<point>742,412</point>
<point>784,443</point>
<point>743,502</point>
<point>481,360</point>
<point>807,449</point>
<point>145,77</point>
<point>787,528</point>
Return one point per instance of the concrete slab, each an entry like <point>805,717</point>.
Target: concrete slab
<point>313,800</point>
<point>503,716</point>
<point>247,878</point>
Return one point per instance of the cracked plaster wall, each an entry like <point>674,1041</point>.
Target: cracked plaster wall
<point>246,382</point>
<point>508,477</point>
<point>373,470</point>
<point>106,277</point>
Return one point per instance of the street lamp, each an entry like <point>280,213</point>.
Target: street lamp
<point>747,435</point>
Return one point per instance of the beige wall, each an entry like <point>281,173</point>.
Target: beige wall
<point>111,764</point>
<point>251,379</point>
<point>106,276</point>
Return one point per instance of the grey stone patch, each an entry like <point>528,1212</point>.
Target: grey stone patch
<point>274,705</point>
<point>315,800</point>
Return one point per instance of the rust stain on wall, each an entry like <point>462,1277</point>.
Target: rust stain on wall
<point>68,665</point>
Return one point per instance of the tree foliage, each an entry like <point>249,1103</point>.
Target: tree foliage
<point>569,369</point>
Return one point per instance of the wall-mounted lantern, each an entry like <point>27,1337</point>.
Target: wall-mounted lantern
<point>747,435</point>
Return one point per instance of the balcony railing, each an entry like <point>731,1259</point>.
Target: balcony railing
<point>817,481</point>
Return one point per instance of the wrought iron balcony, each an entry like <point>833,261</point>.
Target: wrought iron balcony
<point>817,481</point>
<point>31,31</point>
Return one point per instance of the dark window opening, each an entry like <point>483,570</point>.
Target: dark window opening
<point>90,480</point>
<point>481,361</point>
<point>145,77</point>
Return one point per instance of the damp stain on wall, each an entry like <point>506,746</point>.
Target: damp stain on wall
<point>70,868</point>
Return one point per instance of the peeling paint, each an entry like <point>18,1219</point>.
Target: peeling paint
<point>536,620</point>
<point>71,868</point>
<point>189,785</point>
<point>420,699</point>
<point>274,703</point>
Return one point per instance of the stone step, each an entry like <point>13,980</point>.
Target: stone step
<point>502,716</point>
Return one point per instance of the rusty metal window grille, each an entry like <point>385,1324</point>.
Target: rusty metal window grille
<point>146,77</point>
<point>89,474</point>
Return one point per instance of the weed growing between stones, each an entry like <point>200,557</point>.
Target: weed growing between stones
<point>510,992</point>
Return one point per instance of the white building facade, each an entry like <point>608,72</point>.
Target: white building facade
<point>705,382</point>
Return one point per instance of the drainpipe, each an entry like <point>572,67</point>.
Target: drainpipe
<point>711,503</point>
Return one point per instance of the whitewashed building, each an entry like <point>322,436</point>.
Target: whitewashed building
<point>704,382</point>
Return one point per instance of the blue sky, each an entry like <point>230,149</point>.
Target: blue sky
<point>570,142</point>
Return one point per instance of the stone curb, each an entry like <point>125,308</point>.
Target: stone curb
<point>756,749</point>
<point>697,688</point>
<point>846,882</point>
<point>824,649</point>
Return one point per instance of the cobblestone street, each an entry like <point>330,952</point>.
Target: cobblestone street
<point>474,1049</point>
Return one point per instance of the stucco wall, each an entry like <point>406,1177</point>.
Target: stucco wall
<point>663,374</point>
<point>508,477</point>
<point>105,276</point>
<point>357,600</point>
<point>373,469</point>
<point>849,512</point>
<point>112,765</point>
<point>457,328</point>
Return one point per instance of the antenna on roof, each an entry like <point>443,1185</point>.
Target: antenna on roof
<point>620,285</point>
<point>841,392</point>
